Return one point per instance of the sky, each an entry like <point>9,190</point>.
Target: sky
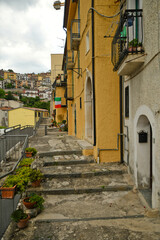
<point>30,30</point>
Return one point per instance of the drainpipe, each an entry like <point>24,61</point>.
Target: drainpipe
<point>93,77</point>
<point>121,117</point>
<point>119,136</point>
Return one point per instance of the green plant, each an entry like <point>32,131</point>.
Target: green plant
<point>140,44</point>
<point>26,162</point>
<point>64,121</point>
<point>133,43</point>
<point>35,175</point>
<point>33,197</point>
<point>32,150</point>
<point>18,214</point>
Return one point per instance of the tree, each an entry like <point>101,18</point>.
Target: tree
<point>10,70</point>
<point>9,96</point>
<point>2,93</point>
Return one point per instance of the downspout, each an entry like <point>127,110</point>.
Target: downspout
<point>121,117</point>
<point>93,77</point>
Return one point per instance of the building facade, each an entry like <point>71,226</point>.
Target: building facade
<point>136,59</point>
<point>93,91</point>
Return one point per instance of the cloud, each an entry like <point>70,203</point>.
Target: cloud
<point>19,5</point>
<point>28,37</point>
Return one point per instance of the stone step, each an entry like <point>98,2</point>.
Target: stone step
<point>83,170</point>
<point>80,190</point>
<point>88,182</point>
<point>94,205</point>
<point>92,184</point>
<point>67,162</point>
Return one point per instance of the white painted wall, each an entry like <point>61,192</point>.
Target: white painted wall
<point>145,100</point>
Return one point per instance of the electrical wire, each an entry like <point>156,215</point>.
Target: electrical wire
<point>102,15</point>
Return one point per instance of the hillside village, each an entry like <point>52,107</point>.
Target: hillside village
<point>98,143</point>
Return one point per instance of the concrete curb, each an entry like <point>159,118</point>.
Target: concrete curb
<point>81,191</point>
<point>84,175</point>
<point>56,153</point>
<point>69,162</point>
<point>87,219</point>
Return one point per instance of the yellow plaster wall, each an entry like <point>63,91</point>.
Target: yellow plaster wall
<point>106,85</point>
<point>106,81</point>
<point>21,116</point>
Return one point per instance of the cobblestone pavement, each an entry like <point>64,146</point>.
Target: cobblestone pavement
<point>84,200</point>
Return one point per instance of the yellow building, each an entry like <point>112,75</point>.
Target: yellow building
<point>26,116</point>
<point>93,91</point>
<point>59,90</point>
<point>10,75</point>
<point>56,65</point>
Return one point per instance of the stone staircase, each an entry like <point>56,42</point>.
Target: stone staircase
<point>85,200</point>
<point>78,189</point>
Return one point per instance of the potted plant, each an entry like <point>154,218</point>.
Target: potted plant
<point>26,162</point>
<point>8,189</point>
<point>20,218</point>
<point>132,46</point>
<point>34,201</point>
<point>13,183</point>
<point>30,152</point>
<point>35,177</point>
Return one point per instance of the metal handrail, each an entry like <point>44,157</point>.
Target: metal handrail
<point>21,156</point>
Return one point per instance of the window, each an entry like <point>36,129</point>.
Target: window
<point>80,102</point>
<point>127,102</point>
<point>87,42</point>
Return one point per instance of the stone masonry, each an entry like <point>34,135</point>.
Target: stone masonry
<point>84,200</point>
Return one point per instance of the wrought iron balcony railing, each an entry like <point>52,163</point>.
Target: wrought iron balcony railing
<point>75,34</point>
<point>128,38</point>
<point>70,60</point>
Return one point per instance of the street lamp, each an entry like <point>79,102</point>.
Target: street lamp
<point>57,5</point>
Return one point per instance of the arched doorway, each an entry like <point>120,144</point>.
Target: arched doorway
<point>144,157</point>
<point>88,111</point>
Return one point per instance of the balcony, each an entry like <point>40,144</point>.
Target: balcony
<point>70,60</point>
<point>69,93</point>
<point>127,44</point>
<point>75,34</point>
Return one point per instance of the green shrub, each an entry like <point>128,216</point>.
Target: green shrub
<point>17,215</point>
<point>35,175</point>
<point>33,197</point>
<point>26,162</point>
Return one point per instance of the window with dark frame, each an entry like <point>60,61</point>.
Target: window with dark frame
<point>127,102</point>
<point>80,102</point>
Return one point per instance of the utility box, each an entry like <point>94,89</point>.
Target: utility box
<point>143,137</point>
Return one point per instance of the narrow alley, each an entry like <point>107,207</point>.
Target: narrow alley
<point>84,200</point>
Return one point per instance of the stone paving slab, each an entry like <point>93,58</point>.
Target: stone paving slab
<point>122,229</point>
<point>96,182</point>
<point>105,204</point>
<point>88,168</point>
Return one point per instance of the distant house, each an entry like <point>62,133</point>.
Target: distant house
<point>26,116</point>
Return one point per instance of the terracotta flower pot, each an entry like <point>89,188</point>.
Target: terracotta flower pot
<point>28,154</point>
<point>36,183</point>
<point>27,204</point>
<point>8,192</point>
<point>23,222</point>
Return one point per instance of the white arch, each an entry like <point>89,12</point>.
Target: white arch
<point>88,101</point>
<point>146,111</point>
